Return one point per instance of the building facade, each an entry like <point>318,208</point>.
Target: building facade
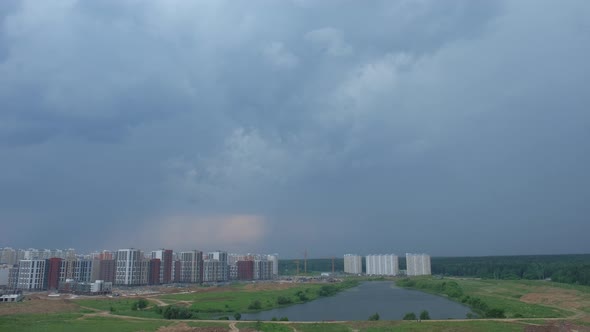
<point>263,269</point>
<point>382,265</point>
<point>107,270</point>
<point>191,266</point>
<point>274,258</point>
<point>128,267</point>
<point>166,264</point>
<point>353,264</point>
<point>32,274</point>
<point>154,271</point>
<point>417,264</point>
<point>245,270</point>
<point>53,273</point>
<point>215,267</point>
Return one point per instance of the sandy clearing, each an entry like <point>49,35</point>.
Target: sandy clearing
<point>38,306</point>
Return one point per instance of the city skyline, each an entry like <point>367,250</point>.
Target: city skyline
<point>457,128</point>
<point>97,272</point>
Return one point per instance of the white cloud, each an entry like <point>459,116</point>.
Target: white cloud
<point>368,90</point>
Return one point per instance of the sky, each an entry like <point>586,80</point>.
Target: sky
<point>453,127</point>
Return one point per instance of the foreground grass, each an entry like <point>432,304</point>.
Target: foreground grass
<point>486,295</point>
<point>78,322</point>
<point>383,326</point>
<point>121,307</point>
<point>74,323</point>
<point>489,326</point>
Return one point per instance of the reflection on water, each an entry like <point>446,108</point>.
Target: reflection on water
<point>360,302</point>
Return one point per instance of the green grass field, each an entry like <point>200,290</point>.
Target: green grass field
<point>74,323</point>
<point>386,326</point>
<point>508,294</point>
<point>545,299</point>
<point>488,326</point>
<point>117,307</point>
<point>239,299</point>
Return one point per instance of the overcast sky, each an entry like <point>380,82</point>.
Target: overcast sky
<point>453,127</point>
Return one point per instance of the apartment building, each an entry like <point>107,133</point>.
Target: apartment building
<point>382,265</point>
<point>353,264</point>
<point>191,266</point>
<point>128,267</point>
<point>32,274</point>
<point>417,264</point>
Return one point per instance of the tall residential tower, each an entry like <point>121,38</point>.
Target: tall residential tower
<point>353,264</point>
<point>418,264</point>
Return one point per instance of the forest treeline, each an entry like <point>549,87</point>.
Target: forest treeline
<point>571,269</point>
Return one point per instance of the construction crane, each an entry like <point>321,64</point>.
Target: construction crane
<point>297,263</point>
<point>305,261</point>
<point>333,258</point>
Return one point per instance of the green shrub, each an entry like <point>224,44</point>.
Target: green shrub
<point>410,316</point>
<point>424,315</point>
<point>282,300</point>
<point>374,316</point>
<point>255,305</point>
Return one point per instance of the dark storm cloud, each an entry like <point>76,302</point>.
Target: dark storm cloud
<point>455,128</point>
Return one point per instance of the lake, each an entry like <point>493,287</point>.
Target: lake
<point>358,303</point>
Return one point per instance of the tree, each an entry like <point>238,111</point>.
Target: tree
<point>284,319</point>
<point>255,305</point>
<point>237,316</point>
<point>142,303</point>
<point>410,316</point>
<point>282,300</point>
<point>424,315</point>
<point>301,295</point>
<point>374,316</point>
<point>495,313</point>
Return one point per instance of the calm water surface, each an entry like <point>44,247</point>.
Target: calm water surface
<point>360,302</point>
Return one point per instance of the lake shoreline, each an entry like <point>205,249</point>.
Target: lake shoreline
<point>364,300</point>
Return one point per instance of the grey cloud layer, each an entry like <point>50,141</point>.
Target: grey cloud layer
<point>332,126</point>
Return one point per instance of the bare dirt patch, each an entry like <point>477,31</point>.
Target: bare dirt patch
<point>557,327</point>
<point>183,327</point>
<point>269,286</point>
<point>38,305</point>
<point>555,297</point>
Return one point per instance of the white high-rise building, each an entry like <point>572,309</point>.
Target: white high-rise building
<point>417,264</point>
<point>31,274</point>
<point>129,267</point>
<point>191,266</point>
<point>215,268</point>
<point>353,264</point>
<point>382,265</point>
<point>274,258</point>
<point>263,269</point>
